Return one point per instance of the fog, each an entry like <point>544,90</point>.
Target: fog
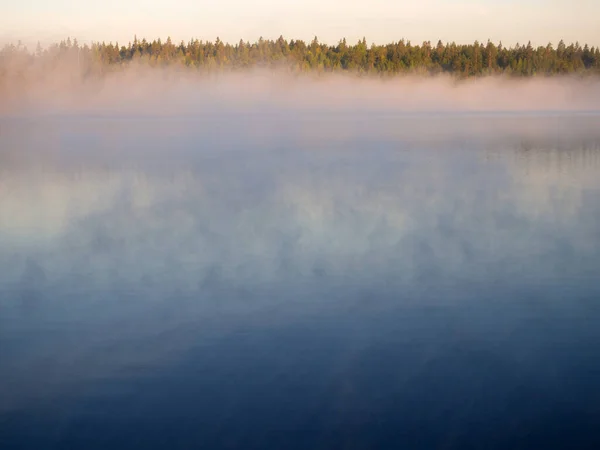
<point>245,222</point>
<point>253,234</point>
<point>137,89</point>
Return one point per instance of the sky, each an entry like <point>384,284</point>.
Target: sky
<point>380,21</point>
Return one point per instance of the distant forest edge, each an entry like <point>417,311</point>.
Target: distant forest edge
<point>400,57</point>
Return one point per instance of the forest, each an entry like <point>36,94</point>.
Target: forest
<point>401,57</point>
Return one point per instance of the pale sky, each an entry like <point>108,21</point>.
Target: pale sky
<point>380,21</point>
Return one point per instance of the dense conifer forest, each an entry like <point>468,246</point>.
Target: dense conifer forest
<point>477,59</point>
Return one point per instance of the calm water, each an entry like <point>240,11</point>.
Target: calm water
<point>300,282</point>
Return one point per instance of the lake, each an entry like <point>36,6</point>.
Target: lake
<point>300,281</point>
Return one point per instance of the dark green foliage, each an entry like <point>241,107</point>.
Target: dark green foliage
<point>476,59</point>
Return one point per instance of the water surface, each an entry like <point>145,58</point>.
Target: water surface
<point>300,281</point>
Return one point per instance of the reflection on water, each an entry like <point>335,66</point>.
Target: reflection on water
<point>370,282</point>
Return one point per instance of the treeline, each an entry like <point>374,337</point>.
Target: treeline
<point>475,59</point>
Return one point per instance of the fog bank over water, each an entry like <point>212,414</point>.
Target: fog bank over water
<point>163,92</point>
<point>255,253</point>
<point>144,234</point>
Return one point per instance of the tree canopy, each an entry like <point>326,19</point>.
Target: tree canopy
<point>477,59</point>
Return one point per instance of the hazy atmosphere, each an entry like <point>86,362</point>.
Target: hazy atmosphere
<point>213,236</point>
<point>164,93</point>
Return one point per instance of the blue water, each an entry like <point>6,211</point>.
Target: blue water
<point>300,282</point>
